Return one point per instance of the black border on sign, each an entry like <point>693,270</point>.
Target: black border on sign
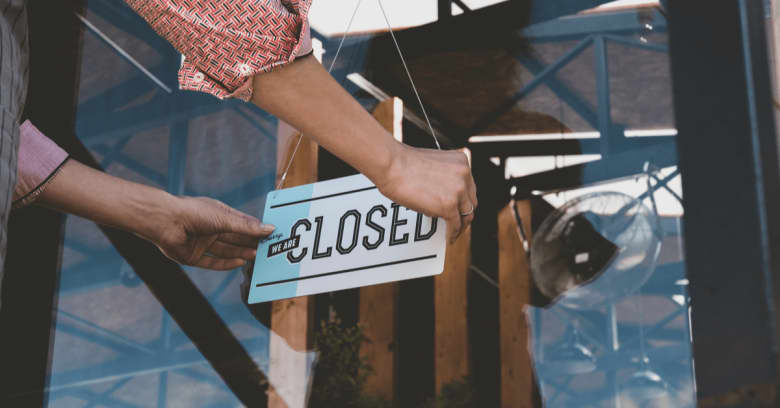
<point>323,197</point>
<point>419,258</point>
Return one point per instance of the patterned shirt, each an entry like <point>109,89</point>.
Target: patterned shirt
<point>226,42</point>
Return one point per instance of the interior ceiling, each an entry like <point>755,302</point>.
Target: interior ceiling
<point>466,68</point>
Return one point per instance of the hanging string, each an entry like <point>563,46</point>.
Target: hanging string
<point>408,75</point>
<point>330,69</point>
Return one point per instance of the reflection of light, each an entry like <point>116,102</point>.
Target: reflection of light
<point>630,261</point>
<point>650,132</point>
<point>679,299</point>
<point>643,386</point>
<point>534,136</point>
<point>570,135</point>
<point>681,282</point>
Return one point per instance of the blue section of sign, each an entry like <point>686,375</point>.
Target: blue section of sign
<point>276,268</point>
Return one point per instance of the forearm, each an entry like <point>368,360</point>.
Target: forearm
<point>108,200</point>
<point>305,95</point>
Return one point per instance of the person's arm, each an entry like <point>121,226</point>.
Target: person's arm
<point>262,66</point>
<point>193,231</point>
<point>437,183</point>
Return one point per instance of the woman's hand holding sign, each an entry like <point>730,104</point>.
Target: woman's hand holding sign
<point>435,183</point>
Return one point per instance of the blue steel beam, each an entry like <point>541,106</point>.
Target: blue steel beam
<point>95,339</point>
<point>489,118</point>
<point>88,395</point>
<point>135,165</point>
<point>102,398</point>
<point>124,18</point>
<point>134,365</point>
<point>162,110</point>
<point>637,44</point>
<point>566,94</point>
<point>114,151</point>
<point>177,162</point>
<point>122,342</point>
<point>252,121</point>
<point>584,25</point>
<point>661,183</point>
<point>119,95</point>
<point>124,54</point>
<point>602,90</point>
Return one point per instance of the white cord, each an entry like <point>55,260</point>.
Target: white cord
<point>332,64</point>
<point>408,74</point>
<point>403,61</point>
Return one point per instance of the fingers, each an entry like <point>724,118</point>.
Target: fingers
<point>454,225</point>
<point>241,240</point>
<point>467,198</point>
<point>236,222</point>
<point>471,186</point>
<point>219,264</point>
<point>472,191</point>
<point>227,251</point>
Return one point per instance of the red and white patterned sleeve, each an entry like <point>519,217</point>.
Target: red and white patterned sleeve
<point>226,42</point>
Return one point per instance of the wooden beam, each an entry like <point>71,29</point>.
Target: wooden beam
<point>378,313</point>
<point>451,335</point>
<point>514,277</point>
<point>292,319</point>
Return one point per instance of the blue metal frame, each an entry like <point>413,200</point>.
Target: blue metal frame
<point>104,127</point>
<point>108,132</point>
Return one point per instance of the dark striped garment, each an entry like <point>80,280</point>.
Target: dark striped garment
<point>13,90</point>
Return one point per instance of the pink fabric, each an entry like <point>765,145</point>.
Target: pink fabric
<point>226,42</point>
<point>39,158</point>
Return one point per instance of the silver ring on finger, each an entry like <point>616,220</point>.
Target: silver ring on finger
<point>469,212</point>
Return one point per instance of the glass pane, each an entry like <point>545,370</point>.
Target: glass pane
<point>569,290</point>
<point>609,314</point>
<point>115,342</point>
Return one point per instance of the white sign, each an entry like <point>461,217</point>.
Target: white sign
<point>342,234</point>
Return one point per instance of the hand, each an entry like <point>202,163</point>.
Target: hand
<point>208,234</point>
<point>435,183</point>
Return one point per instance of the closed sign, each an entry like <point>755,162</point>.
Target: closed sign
<point>341,234</point>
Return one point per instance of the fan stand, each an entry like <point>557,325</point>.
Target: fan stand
<point>645,384</point>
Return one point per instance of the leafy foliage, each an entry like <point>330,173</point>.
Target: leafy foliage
<point>341,374</point>
<point>341,371</point>
<point>457,394</point>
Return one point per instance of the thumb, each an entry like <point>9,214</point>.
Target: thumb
<point>234,221</point>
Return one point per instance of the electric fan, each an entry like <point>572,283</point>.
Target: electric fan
<point>595,249</point>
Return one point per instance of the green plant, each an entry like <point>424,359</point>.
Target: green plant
<point>341,372</point>
<point>456,394</point>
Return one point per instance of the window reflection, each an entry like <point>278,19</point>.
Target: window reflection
<point>568,104</point>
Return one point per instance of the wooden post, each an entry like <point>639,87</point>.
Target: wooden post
<point>378,313</point>
<point>517,380</point>
<point>292,319</point>
<point>451,339</point>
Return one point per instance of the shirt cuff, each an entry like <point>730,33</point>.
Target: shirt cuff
<point>38,163</point>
